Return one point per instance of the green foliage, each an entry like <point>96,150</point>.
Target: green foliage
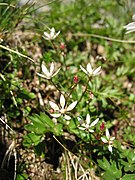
<point>22,176</point>
<point>39,126</point>
<point>11,15</point>
<point>92,32</point>
<point>111,170</point>
<point>128,177</point>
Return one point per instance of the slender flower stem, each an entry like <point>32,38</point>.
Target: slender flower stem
<point>84,90</point>
<point>55,85</point>
<point>57,52</point>
<point>72,89</point>
<point>53,46</point>
<point>64,62</point>
<point>104,37</point>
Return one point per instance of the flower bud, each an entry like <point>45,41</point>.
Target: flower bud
<point>102,126</point>
<point>91,95</point>
<point>76,79</point>
<point>62,46</point>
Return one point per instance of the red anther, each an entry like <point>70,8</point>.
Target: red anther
<point>51,110</point>
<point>76,79</point>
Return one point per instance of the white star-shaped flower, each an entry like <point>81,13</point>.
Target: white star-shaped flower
<point>87,126</point>
<point>48,74</point>
<point>63,109</point>
<point>89,71</point>
<point>52,35</point>
<point>109,140</point>
<point>131,26</point>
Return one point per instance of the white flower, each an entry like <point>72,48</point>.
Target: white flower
<point>87,126</point>
<point>131,26</point>
<point>52,34</point>
<point>89,71</point>
<point>48,74</point>
<point>63,109</point>
<point>108,140</point>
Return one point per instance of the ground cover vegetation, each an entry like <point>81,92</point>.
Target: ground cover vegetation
<point>67,83</point>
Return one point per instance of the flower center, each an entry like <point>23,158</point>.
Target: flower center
<point>62,111</point>
<point>110,142</point>
<point>87,126</point>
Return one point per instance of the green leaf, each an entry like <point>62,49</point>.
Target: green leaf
<point>110,169</point>
<point>31,139</point>
<point>79,91</point>
<point>131,156</point>
<point>108,176</point>
<point>38,126</point>
<point>24,94</point>
<point>128,177</point>
<point>104,164</point>
<point>47,121</point>
<point>115,171</point>
<point>58,129</point>
<point>129,153</point>
<point>14,113</point>
<point>26,111</point>
<point>36,120</point>
<point>40,149</point>
<point>129,167</point>
<point>73,124</point>
<point>29,127</point>
<point>22,176</point>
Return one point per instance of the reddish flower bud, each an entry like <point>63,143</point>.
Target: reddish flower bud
<point>76,79</point>
<point>62,46</point>
<point>91,95</point>
<point>102,127</point>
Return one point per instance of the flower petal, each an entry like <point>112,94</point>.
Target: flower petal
<point>54,106</point>
<point>71,106</point>
<point>112,138</point>
<point>96,72</point>
<point>130,27</point>
<point>107,134</point>
<point>47,35</point>
<point>52,68</point>
<point>56,34</point>
<point>94,122</point>
<point>45,70</point>
<point>52,33</point>
<point>67,117</point>
<point>56,115</point>
<point>133,17</point>
<point>62,101</point>
<point>88,119</point>
<point>89,69</point>
<point>84,70</point>
<point>110,148</point>
<point>81,128</point>
<point>56,72</point>
<point>79,119</point>
<point>91,130</point>
<point>104,140</point>
<point>43,76</point>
